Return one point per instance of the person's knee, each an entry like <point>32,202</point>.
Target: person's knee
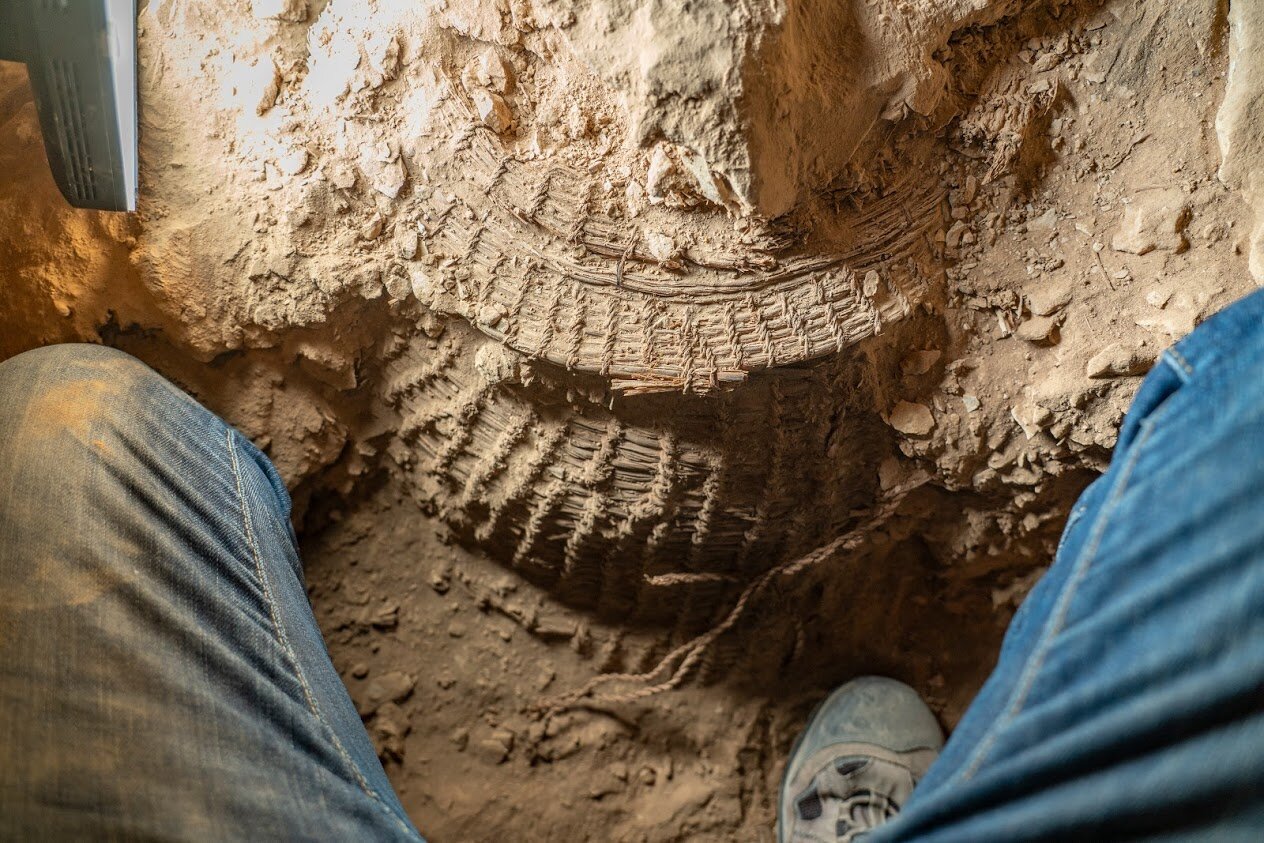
<point>53,396</point>
<point>50,365</point>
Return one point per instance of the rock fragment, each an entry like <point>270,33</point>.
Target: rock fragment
<point>495,362</point>
<point>393,687</point>
<point>384,166</point>
<point>390,727</point>
<point>495,748</point>
<point>407,242</point>
<point>604,784</point>
<point>681,178</point>
<point>383,63</point>
<point>1047,300</point>
<point>1041,330</point>
<point>390,178</point>
<point>372,229</point>
<point>342,177</point>
<point>1158,298</point>
<point>1117,360</point>
<point>1156,219</point>
<point>662,168</point>
<point>1031,417</point>
<point>1046,222</point>
<point>395,280</point>
<point>492,110</point>
<point>956,235</point>
<point>385,617</point>
<point>494,72</point>
<point>871,284</point>
<point>911,419</point>
<point>271,76</point>
<point>492,315</point>
<point>711,186</point>
<point>1046,62</point>
<point>1174,323</point>
<point>554,629</point>
<point>661,246</point>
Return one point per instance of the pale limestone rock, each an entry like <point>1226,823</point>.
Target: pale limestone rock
<point>271,76</point>
<point>1117,360</point>
<point>660,171</point>
<point>495,748</point>
<point>372,229</point>
<point>1240,121</point>
<point>1032,418</point>
<point>711,186</point>
<point>661,246</point>
<point>751,88</point>
<point>492,315</point>
<point>681,178</point>
<point>407,242</point>
<point>1046,222</point>
<point>494,73</point>
<point>492,110</point>
<point>1038,329</point>
<point>1046,300</point>
<point>342,177</point>
<point>384,167</point>
<point>389,180</point>
<point>422,283</point>
<point>291,11</point>
<point>1156,219</point>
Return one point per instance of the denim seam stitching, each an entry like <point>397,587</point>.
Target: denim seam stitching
<point>1054,626</point>
<point>284,641</point>
<point>1076,515</point>
<point>1178,361</point>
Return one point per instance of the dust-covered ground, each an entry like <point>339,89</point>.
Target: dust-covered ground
<point>1110,238</point>
<point>576,375</point>
<point>447,656</point>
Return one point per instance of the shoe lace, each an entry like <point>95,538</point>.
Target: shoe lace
<point>862,812</point>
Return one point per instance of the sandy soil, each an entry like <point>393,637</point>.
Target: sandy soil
<point>1050,317</point>
<point>448,657</point>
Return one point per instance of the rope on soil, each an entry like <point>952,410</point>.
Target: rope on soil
<point>674,668</point>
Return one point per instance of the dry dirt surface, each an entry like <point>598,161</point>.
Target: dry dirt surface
<point>1109,237</point>
<point>641,375</point>
<point>450,659</point>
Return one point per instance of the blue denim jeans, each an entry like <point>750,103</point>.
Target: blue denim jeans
<point>161,673</point>
<point>162,676</point>
<point>1128,700</point>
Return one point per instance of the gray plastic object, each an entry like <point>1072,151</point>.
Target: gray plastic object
<point>81,59</point>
